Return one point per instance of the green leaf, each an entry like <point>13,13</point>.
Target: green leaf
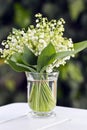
<point>57,56</point>
<point>80,46</point>
<point>16,67</point>
<point>28,57</point>
<point>16,57</point>
<point>44,57</point>
<point>60,55</point>
<point>17,63</point>
<point>77,48</point>
<point>20,67</point>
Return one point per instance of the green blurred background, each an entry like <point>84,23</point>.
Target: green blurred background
<point>72,82</point>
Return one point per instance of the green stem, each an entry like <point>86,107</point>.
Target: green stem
<point>41,98</point>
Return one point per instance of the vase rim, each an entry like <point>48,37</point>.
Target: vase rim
<point>43,72</point>
<point>55,74</point>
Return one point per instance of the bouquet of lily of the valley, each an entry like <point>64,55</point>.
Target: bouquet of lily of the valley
<point>40,49</point>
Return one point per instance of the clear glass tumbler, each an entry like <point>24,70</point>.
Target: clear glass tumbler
<point>42,92</point>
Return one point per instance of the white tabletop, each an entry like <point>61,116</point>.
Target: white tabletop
<point>15,117</point>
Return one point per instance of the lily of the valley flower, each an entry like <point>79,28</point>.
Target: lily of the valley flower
<point>37,38</point>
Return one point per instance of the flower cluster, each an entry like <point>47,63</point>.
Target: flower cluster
<point>36,38</point>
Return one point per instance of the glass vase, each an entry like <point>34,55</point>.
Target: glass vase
<point>42,93</point>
